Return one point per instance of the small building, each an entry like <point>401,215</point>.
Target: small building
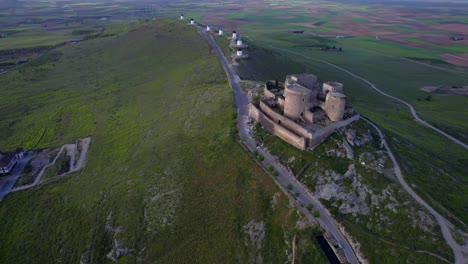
<point>192,22</point>
<point>8,160</point>
<point>239,42</point>
<point>234,35</point>
<point>208,28</point>
<point>181,16</point>
<point>239,52</point>
<point>220,32</point>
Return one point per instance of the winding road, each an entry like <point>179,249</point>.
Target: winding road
<point>411,108</point>
<point>302,196</point>
<point>444,224</point>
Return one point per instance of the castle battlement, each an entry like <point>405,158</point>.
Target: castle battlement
<point>302,112</point>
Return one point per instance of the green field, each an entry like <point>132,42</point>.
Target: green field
<point>164,180</point>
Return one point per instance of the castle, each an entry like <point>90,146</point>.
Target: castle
<point>302,112</point>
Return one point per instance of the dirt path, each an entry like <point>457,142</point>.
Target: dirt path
<point>411,108</point>
<point>71,152</point>
<point>444,224</point>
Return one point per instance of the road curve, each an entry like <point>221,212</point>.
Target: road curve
<point>444,224</point>
<point>302,197</point>
<point>411,108</point>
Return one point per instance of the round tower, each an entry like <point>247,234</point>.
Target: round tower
<point>335,104</point>
<point>234,35</point>
<point>239,52</point>
<point>296,100</point>
<point>239,42</point>
<point>220,32</point>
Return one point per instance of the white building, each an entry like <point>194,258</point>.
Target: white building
<point>220,32</point>
<point>8,160</point>
<point>208,28</point>
<point>181,16</point>
<point>239,52</point>
<point>239,42</point>
<point>234,35</point>
<point>192,22</point>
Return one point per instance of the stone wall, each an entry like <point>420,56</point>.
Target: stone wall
<point>275,129</point>
<point>320,135</point>
<point>268,94</point>
<point>334,105</point>
<point>332,87</point>
<point>313,117</point>
<point>281,102</point>
<point>284,121</point>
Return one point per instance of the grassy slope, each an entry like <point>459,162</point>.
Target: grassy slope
<point>163,176</point>
<point>395,238</point>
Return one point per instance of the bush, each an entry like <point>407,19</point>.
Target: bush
<point>255,153</point>
<point>261,158</point>
<point>275,173</point>
<point>316,214</point>
<point>289,187</point>
<point>310,207</point>
<point>270,168</point>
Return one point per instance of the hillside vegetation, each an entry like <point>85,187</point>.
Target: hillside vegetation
<point>164,181</point>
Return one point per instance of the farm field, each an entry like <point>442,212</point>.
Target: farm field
<point>164,179</point>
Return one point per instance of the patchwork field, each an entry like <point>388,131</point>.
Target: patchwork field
<point>164,181</point>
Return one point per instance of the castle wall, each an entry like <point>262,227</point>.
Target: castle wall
<point>332,87</point>
<point>284,121</point>
<point>268,94</point>
<point>322,134</point>
<point>306,80</point>
<point>313,117</point>
<point>281,102</point>
<point>334,105</point>
<point>275,129</point>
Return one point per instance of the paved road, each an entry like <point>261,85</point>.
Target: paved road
<point>411,108</point>
<point>445,225</point>
<point>284,179</point>
<point>7,182</point>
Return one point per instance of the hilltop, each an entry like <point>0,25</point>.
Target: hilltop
<point>164,180</point>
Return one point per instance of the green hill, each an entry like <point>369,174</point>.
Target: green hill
<point>164,181</point>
